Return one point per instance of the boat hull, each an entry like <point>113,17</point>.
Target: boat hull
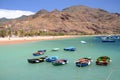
<point>108,40</point>
<point>37,60</point>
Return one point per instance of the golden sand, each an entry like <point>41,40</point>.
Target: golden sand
<point>16,40</point>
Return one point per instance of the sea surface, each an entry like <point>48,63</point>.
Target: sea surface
<point>14,65</point>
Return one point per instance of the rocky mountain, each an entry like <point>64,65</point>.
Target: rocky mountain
<point>4,19</point>
<point>71,20</point>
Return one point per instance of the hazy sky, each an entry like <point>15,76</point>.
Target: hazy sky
<point>36,5</point>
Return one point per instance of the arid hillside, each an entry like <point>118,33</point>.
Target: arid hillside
<point>71,20</point>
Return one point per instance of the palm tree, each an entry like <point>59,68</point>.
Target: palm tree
<point>2,33</point>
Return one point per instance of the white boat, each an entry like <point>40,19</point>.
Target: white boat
<point>83,42</point>
<point>55,49</point>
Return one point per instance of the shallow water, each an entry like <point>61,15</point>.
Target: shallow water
<point>14,65</point>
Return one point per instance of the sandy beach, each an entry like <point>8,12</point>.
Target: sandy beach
<point>16,40</point>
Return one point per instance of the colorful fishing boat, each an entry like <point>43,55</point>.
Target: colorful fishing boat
<point>37,60</point>
<point>83,62</point>
<point>38,53</point>
<point>103,60</point>
<point>51,59</point>
<point>70,49</point>
<point>60,62</point>
<point>42,50</point>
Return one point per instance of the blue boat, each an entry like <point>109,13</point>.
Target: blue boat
<point>70,49</point>
<point>38,53</point>
<point>51,59</point>
<point>107,39</point>
<point>116,37</point>
<point>41,50</point>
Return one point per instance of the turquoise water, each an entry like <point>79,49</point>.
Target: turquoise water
<point>14,65</point>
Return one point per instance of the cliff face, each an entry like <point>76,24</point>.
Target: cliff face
<point>71,20</point>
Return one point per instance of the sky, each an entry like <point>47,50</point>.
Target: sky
<point>17,8</point>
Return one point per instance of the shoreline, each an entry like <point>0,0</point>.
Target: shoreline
<point>18,40</point>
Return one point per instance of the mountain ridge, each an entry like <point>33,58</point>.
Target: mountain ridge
<point>71,20</point>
